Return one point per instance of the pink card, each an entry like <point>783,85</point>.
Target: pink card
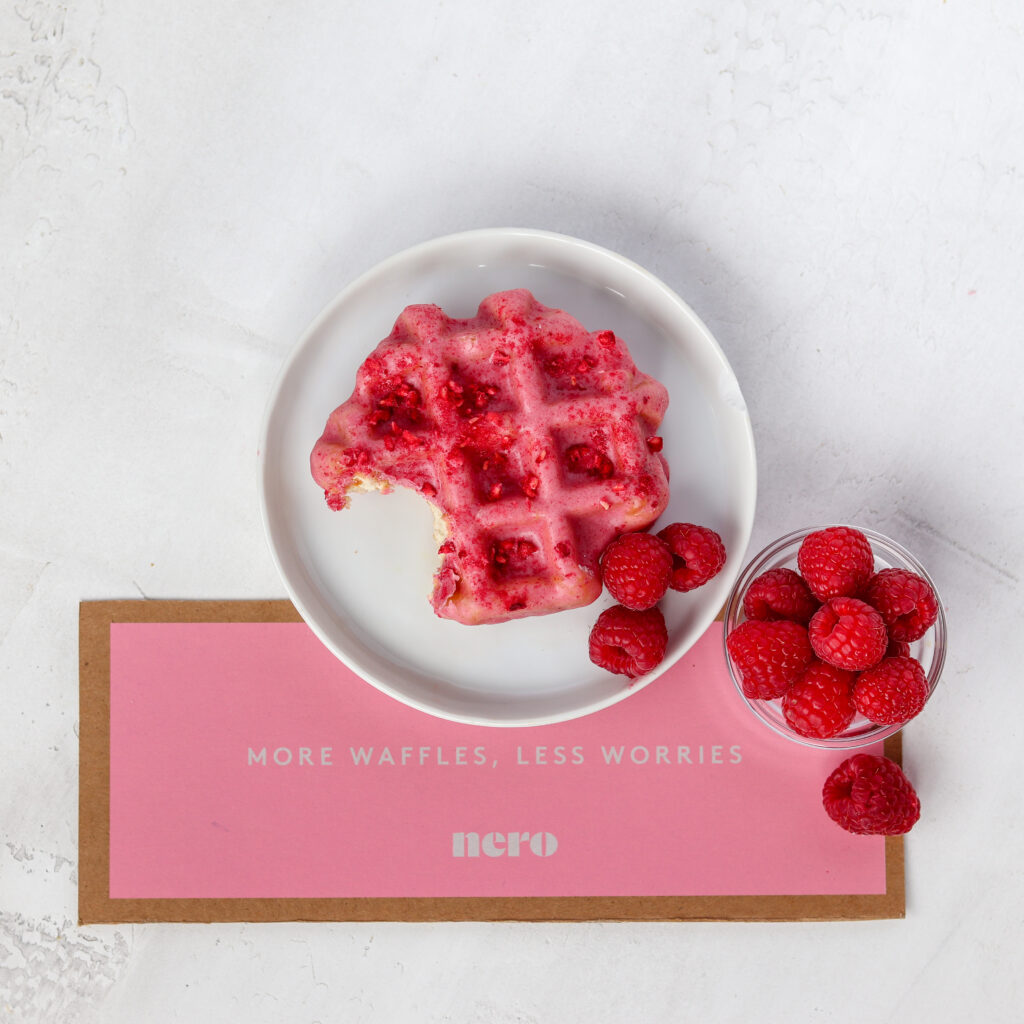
<point>247,765</point>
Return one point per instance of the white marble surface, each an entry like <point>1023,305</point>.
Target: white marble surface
<point>839,192</point>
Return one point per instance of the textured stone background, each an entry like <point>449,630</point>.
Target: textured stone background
<point>838,190</point>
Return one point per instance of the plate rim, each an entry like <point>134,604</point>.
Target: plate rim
<point>438,245</point>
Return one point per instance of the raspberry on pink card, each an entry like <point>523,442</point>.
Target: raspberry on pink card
<point>869,795</point>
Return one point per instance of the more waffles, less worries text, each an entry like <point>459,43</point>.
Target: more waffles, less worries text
<point>542,755</point>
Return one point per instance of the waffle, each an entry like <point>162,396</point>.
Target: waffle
<point>533,439</point>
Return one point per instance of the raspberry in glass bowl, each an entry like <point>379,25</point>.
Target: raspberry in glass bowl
<point>782,596</point>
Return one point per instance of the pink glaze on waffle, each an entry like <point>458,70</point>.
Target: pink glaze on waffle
<point>533,438</point>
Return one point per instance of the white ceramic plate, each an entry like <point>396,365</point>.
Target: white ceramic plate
<point>361,577</point>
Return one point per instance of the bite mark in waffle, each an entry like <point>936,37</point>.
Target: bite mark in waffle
<point>533,438</point>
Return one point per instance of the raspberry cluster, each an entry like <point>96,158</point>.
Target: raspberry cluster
<point>638,569</point>
<point>833,640</point>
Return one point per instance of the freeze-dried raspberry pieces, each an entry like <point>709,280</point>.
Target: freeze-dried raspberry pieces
<point>892,692</point>
<point>636,569</point>
<point>768,656</point>
<point>819,703</point>
<point>869,795</point>
<point>779,594</point>
<point>628,642</point>
<point>848,633</point>
<point>698,554</point>
<point>905,601</point>
<point>835,562</point>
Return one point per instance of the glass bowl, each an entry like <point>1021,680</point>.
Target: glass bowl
<point>930,650</point>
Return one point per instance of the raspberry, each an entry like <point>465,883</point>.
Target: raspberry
<point>835,562</point>
<point>636,569</point>
<point>892,692</point>
<point>905,601</point>
<point>870,796</point>
<point>628,642</point>
<point>819,703</point>
<point>769,656</point>
<point>779,594</point>
<point>848,633</point>
<point>698,554</point>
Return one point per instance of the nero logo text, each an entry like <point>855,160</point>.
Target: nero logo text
<point>503,844</point>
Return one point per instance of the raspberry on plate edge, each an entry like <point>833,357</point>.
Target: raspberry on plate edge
<point>636,569</point>
<point>698,554</point>
<point>628,642</point>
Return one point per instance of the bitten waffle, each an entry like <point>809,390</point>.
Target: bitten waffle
<point>534,439</point>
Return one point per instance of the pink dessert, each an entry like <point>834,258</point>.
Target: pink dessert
<point>534,440</point>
